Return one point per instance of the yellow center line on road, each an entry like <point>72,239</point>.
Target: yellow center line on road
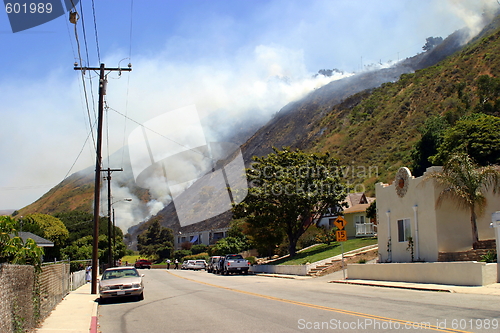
<point>407,323</point>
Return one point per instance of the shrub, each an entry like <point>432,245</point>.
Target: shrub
<point>199,256</point>
<point>252,260</point>
<point>490,256</point>
<point>179,254</point>
<point>308,238</point>
<point>199,248</point>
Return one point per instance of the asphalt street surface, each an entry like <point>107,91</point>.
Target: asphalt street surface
<point>196,301</point>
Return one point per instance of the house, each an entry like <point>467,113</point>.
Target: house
<point>409,220</point>
<point>358,225</point>
<point>42,242</point>
<point>414,234</point>
<point>207,237</point>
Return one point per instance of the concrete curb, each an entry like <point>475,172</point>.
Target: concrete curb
<point>283,276</point>
<point>397,286</point>
<point>93,320</point>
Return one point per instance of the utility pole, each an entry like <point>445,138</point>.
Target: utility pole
<point>110,248</point>
<point>97,190</point>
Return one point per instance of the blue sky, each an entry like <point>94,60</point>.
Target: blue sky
<point>218,55</point>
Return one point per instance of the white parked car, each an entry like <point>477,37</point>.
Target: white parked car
<point>121,282</point>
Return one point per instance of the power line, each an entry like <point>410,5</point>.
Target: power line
<point>131,25</point>
<point>74,21</point>
<point>155,132</point>
<point>80,153</point>
<point>95,30</point>
<point>128,78</point>
<point>88,60</point>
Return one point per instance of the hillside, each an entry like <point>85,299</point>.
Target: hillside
<point>372,130</point>
<point>369,121</point>
<point>379,128</point>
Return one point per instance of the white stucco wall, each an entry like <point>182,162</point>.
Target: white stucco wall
<point>391,208</point>
<point>440,229</point>
<point>465,273</point>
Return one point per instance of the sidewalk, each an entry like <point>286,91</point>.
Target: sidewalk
<point>76,313</point>
<point>492,289</point>
<point>337,277</point>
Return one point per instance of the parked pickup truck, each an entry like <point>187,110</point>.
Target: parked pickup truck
<point>234,263</point>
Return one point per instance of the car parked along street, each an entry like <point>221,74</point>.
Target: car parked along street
<point>121,282</point>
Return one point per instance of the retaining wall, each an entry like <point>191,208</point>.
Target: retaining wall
<point>453,273</point>
<point>281,269</point>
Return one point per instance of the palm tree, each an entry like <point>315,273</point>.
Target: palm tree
<point>465,183</point>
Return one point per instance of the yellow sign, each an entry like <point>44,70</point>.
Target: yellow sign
<point>341,235</point>
<point>340,222</point>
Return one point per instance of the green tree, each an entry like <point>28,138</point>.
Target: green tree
<point>156,242</point>
<point>12,248</point>
<point>81,249</point>
<point>48,227</point>
<point>264,237</point>
<point>465,183</point>
<point>291,189</point>
<point>488,91</point>
<point>228,245</point>
<point>477,135</point>
<point>235,242</point>
<point>199,248</point>
<point>371,211</point>
<point>81,224</point>
<point>432,136</point>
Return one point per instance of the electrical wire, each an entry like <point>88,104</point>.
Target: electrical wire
<point>79,154</point>
<point>155,132</point>
<point>95,30</point>
<point>88,60</point>
<point>128,80</point>
<point>85,88</point>
<point>106,108</point>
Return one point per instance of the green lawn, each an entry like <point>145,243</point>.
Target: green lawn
<point>130,259</point>
<point>323,251</point>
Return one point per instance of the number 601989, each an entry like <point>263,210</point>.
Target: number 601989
<point>25,8</point>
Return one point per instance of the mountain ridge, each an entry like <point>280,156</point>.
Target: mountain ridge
<point>368,119</point>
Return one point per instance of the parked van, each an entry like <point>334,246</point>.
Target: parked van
<point>213,264</point>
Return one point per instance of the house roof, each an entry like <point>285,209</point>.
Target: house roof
<point>356,208</point>
<point>42,242</point>
<point>359,198</point>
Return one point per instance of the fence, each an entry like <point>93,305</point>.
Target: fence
<point>365,229</point>
<point>27,298</point>
<point>77,279</point>
<point>18,306</point>
<point>54,285</point>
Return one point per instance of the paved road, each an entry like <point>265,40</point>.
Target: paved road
<point>187,301</point>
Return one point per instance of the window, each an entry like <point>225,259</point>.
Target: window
<point>404,230</point>
<point>359,219</point>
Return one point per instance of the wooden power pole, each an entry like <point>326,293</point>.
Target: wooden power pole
<point>97,190</point>
<point>110,247</point>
